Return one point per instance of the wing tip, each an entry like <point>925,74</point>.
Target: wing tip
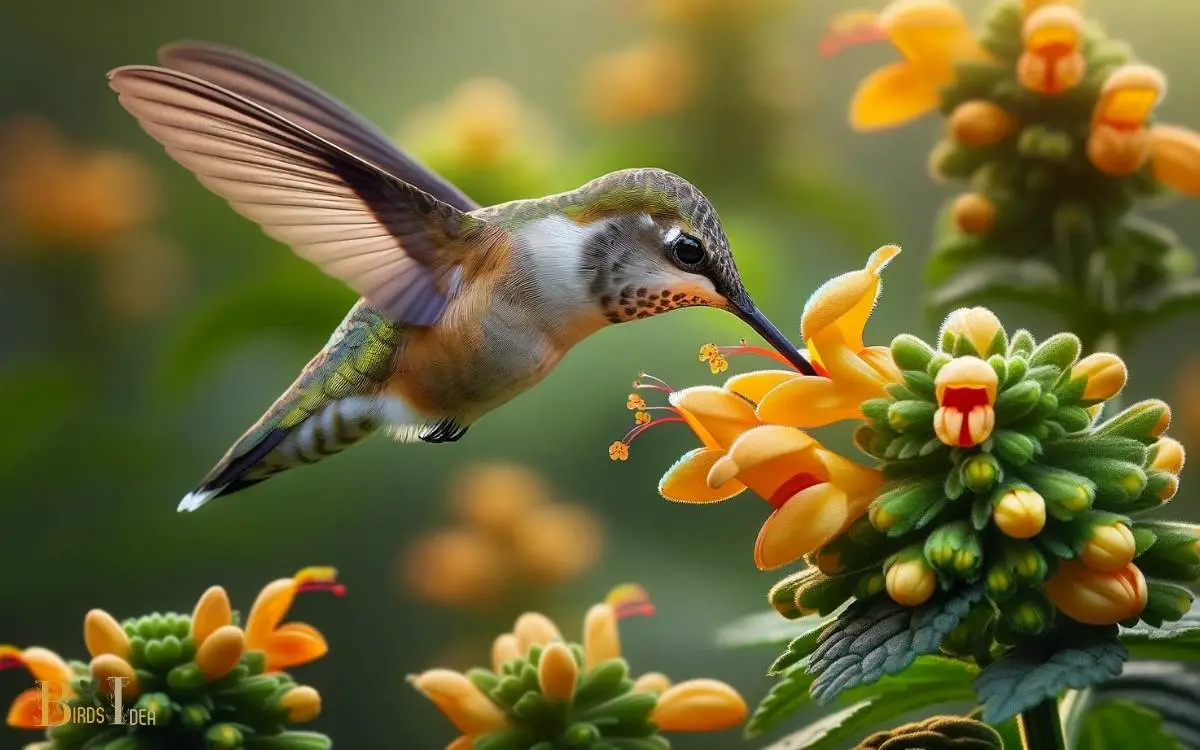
<point>193,500</point>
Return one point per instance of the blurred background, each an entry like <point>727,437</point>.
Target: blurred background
<point>144,325</point>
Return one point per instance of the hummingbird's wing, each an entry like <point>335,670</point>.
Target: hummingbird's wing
<point>312,109</point>
<point>394,244</point>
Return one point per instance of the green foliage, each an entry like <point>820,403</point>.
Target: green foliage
<point>929,681</point>
<point>38,400</point>
<point>1039,670</point>
<point>1170,689</point>
<point>1178,641</point>
<point>240,709</point>
<point>1123,724</point>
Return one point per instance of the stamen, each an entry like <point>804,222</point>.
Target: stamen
<point>639,429</point>
<point>716,355</point>
<point>655,384</point>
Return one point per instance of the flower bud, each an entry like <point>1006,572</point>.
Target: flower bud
<point>533,628</point>
<point>966,390</point>
<point>106,668</point>
<point>1174,553</point>
<point>973,634</point>
<point>954,550</point>
<point>1020,513</point>
<point>1175,158</point>
<point>898,508</point>
<point>301,704</point>
<point>1168,456</point>
<point>464,704</point>
<point>221,651</point>
<point>102,634</point>
<point>1066,493</point>
<point>1142,421</point>
<point>1095,598</point>
<point>979,123</point>
<point>1051,63</point>
<point>1029,613</point>
<point>911,416</point>
<point>1160,488</point>
<point>1117,152</point>
<point>1110,548</point>
<point>973,214</point>
<point>910,352</point>
<point>651,682</point>
<point>972,331</point>
<point>557,672</point>
<point>1105,375</point>
<point>700,705</point>
<point>782,595</point>
<point>212,610</point>
<point>1014,447</point>
<point>980,472</point>
<point>909,578</point>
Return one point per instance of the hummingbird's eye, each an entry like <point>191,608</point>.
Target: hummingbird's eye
<point>687,251</point>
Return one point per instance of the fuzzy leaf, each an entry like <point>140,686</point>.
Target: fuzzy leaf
<point>1176,641</point>
<point>929,681</point>
<point>785,697</point>
<point>1036,671</point>
<point>768,629</point>
<point>1122,724</point>
<point>873,639</point>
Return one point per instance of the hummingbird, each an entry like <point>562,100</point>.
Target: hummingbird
<point>462,307</point>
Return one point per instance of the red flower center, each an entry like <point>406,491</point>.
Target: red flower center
<point>801,481</point>
<point>964,400</point>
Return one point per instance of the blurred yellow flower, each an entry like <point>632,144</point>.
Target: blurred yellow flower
<point>1052,62</point>
<point>973,213</point>
<point>978,123</point>
<point>44,666</point>
<point>832,326</point>
<point>931,35</point>
<point>650,79</point>
<point>1119,143</point>
<point>52,190</point>
<point>512,531</point>
<point>699,705</point>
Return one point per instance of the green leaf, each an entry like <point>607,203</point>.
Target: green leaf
<point>1036,671</point>
<point>785,697</point>
<point>873,639</point>
<point>1003,279</point>
<point>1119,725</point>
<point>1177,641</point>
<point>930,681</point>
<point>38,400</point>
<point>290,304</point>
<point>768,629</point>
<point>1172,689</point>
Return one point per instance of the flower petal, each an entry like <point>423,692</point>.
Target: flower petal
<point>879,359</point>
<point>895,95</point>
<point>532,629</point>
<point>557,672</point>
<point>685,482</point>
<point>716,415</point>
<point>212,611</point>
<point>934,33</point>
<point>809,401</point>
<point>45,665</point>
<point>504,650</point>
<point>269,609</point>
<point>601,639</point>
<point>102,634</point>
<point>464,705</point>
<point>294,644</point>
<point>755,385</point>
<point>26,711</point>
<point>699,706</point>
<point>807,520</point>
<point>1175,157</point>
<point>462,743</point>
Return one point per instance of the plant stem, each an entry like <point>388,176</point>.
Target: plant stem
<point>1041,728</point>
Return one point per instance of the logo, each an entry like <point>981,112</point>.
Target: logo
<point>93,706</point>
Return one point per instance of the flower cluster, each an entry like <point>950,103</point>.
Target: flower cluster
<point>513,533</point>
<point>993,468</point>
<point>181,681</point>
<point>1052,125</point>
<point>543,691</point>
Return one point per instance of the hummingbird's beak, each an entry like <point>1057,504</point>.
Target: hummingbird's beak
<point>749,312</point>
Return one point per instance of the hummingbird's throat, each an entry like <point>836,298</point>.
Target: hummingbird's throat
<point>636,302</point>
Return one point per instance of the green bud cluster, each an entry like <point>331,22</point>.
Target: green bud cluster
<point>943,508</point>
<point>603,712</point>
<point>177,707</point>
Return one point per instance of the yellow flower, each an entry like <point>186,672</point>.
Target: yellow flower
<point>1119,143</point>
<point>815,494</point>
<point>1020,513</point>
<point>294,643</point>
<point>653,78</point>
<point>1110,549</point>
<point>494,496</point>
<point>456,567</point>
<point>1029,6</point>
<point>832,326</point>
<point>977,325</point>
<point>978,123</point>
<point>220,651</point>
<point>1168,456</point>
<point>974,213</point>
<point>966,394</point>
<point>931,35</point>
<point>1093,597</point>
<point>45,666</point>
<point>1052,63</point>
<point>1105,374</point>
<point>691,706</point>
<point>557,542</point>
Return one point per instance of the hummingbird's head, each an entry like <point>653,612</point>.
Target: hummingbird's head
<point>653,244</point>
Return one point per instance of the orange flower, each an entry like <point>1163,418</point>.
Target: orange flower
<point>931,35</point>
<point>1093,597</point>
<point>293,643</point>
<point>832,325</point>
<point>966,395</point>
<point>1052,63</point>
<point>1119,143</point>
<point>45,666</point>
